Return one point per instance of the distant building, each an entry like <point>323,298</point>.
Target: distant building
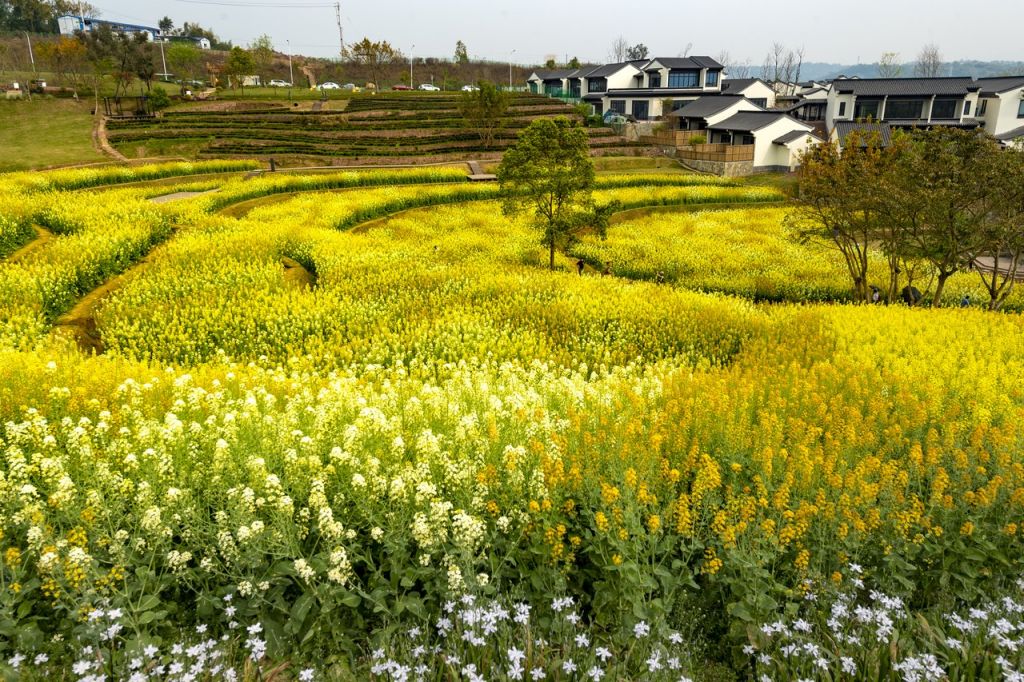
<point>69,24</point>
<point>201,42</point>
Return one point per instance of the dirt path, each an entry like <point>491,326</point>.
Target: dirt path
<point>174,196</point>
<point>79,323</point>
<point>296,275</point>
<point>42,236</point>
<point>101,143</point>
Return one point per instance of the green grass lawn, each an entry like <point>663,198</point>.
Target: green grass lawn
<point>45,132</point>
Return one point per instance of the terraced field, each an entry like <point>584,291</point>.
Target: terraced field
<point>348,426</point>
<point>386,128</point>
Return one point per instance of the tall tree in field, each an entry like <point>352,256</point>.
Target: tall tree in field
<point>461,53</point>
<point>262,51</point>
<point>948,189</point>
<point>375,55</point>
<point>99,52</point>
<point>67,58</point>
<point>238,66</point>
<point>549,175</point>
<point>166,26</point>
<point>839,203</point>
<point>184,59</point>
<point>484,109</point>
<point>929,62</point>
<point>1004,231</point>
<point>889,65</point>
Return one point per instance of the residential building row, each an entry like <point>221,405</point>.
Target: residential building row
<point>69,24</point>
<point>778,120</point>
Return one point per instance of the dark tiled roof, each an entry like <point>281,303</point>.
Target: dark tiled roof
<point>554,74</point>
<point>865,130</point>
<point>896,87</point>
<point>685,63</point>
<point>966,124</point>
<point>994,86</point>
<point>609,69</point>
<point>733,85</point>
<point>1011,134</point>
<point>792,136</point>
<point>750,121</point>
<point>708,105</point>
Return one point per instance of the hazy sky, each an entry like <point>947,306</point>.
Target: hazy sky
<point>847,32</point>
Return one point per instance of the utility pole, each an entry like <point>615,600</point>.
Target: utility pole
<point>31,56</point>
<point>510,56</point>
<point>291,76</point>
<point>341,33</point>
<point>162,59</point>
<point>410,64</point>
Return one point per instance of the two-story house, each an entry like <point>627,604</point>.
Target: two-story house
<point>904,102</point>
<point>1001,109</point>
<point>635,88</point>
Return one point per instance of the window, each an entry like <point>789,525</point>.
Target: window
<point>553,88</point>
<point>842,109</point>
<point>533,88</point>
<point>684,79</point>
<point>983,107</point>
<point>967,107</point>
<point>574,88</point>
<point>654,80</point>
<point>712,79</point>
<point>866,108</point>
<point>944,108</point>
<point>748,138</point>
<point>678,104</point>
<point>761,102</point>
<point>618,106</point>
<point>1020,109</point>
<point>597,84</point>
<point>904,108</point>
<point>598,109</point>
<point>641,110</point>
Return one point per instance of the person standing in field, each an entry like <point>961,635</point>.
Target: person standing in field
<point>579,266</point>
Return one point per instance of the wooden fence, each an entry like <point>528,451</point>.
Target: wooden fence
<point>716,152</point>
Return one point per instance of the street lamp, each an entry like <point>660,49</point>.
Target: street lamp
<point>291,76</point>
<point>410,64</point>
<point>511,54</point>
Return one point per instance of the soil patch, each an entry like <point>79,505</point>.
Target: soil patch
<point>296,275</point>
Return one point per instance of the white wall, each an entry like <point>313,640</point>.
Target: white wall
<point>757,90</point>
<point>832,110</point>
<point>1005,118</point>
<point>766,153</point>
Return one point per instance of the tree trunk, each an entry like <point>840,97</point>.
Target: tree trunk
<point>551,260</point>
<point>939,284</point>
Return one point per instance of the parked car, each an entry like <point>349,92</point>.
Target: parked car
<point>469,88</point>
<point>429,88</point>
<point>350,86</point>
<point>277,83</point>
<point>613,117</point>
<point>330,85</point>
<point>400,87</point>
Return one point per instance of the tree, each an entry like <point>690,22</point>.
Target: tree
<point>374,55</point>
<point>184,59</point>
<point>239,65</point>
<point>889,65</point>
<point>637,52</point>
<point>929,62</point>
<point>618,50</point>
<point>67,58</point>
<point>838,203</point>
<point>574,63</point>
<point>782,67</point>
<point>262,51</point>
<point>1004,234</point>
<point>550,64</point>
<point>948,187</point>
<point>548,173</point>
<point>461,53</point>
<point>166,26</point>
<point>484,109</point>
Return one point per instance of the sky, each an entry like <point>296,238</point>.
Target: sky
<point>845,33</point>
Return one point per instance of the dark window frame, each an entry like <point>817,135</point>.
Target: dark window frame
<point>602,84</point>
<point>899,115</point>
<point>708,82</point>
<point>684,78</point>
<point>948,109</point>
<point>1020,109</point>
<point>645,106</point>
<point>618,106</point>
<point>983,107</point>
<point>862,108</point>
<point>842,109</point>
<point>654,79</point>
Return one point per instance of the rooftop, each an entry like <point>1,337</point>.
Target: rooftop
<point>896,87</point>
<point>864,130</point>
<point>749,121</point>
<point>709,105</point>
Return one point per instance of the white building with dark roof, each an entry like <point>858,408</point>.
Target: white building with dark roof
<point>1001,109</point>
<point>69,24</point>
<point>636,89</point>
<point>904,102</point>
<point>756,90</point>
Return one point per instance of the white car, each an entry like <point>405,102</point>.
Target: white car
<point>429,88</point>
<point>329,85</point>
<point>469,88</point>
<point>349,86</point>
<point>276,83</point>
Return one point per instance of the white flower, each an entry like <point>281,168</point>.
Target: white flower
<point>582,640</point>
<point>516,655</point>
<point>602,653</point>
<point>306,675</point>
<point>568,666</point>
<point>595,673</point>
<point>641,629</point>
<point>537,673</point>
<point>40,659</point>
